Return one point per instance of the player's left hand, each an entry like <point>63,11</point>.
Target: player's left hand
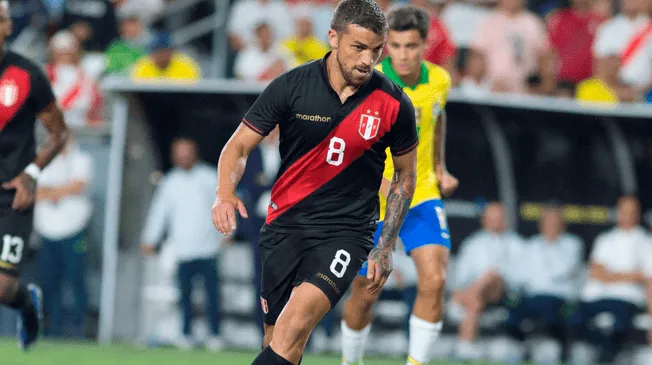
<point>25,188</point>
<point>223,212</point>
<point>447,182</point>
<point>379,268</point>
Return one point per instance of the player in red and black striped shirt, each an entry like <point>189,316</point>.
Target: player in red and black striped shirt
<point>25,95</point>
<point>336,118</point>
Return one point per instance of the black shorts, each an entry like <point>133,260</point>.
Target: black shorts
<point>15,231</point>
<point>329,261</point>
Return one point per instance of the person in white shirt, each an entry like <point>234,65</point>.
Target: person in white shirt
<point>247,14</point>
<point>179,208</point>
<point>260,61</point>
<point>551,266</point>
<point>61,215</point>
<point>619,263</point>
<point>628,34</point>
<point>484,271</point>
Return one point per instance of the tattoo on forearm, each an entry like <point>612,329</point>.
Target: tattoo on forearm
<point>399,199</point>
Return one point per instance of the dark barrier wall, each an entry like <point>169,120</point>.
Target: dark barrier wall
<point>526,153</point>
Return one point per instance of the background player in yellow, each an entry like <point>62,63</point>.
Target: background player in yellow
<point>425,231</point>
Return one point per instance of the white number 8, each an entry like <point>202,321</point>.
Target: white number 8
<point>341,258</point>
<point>335,155</point>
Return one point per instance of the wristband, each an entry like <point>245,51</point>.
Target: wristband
<point>33,171</point>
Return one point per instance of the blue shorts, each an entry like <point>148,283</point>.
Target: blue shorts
<point>425,224</point>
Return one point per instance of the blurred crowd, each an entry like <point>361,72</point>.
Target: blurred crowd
<point>591,50</point>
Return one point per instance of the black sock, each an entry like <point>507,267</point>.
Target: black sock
<point>23,300</point>
<point>269,357</point>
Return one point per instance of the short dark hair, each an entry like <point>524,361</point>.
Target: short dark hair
<point>406,18</point>
<point>365,13</point>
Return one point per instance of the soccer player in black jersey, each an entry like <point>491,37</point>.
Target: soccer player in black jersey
<point>336,118</point>
<point>25,95</point>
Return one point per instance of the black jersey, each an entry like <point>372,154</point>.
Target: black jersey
<point>332,154</point>
<point>24,92</point>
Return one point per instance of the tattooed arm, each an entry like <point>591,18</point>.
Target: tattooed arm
<point>25,183</point>
<point>399,198</point>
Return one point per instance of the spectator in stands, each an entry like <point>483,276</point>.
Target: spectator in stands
<point>515,44</point>
<point>617,267</point>
<point>474,82</point>
<point>628,35</point>
<point>322,17</point>
<point>483,273</point>
<point>441,50</point>
<point>145,10</point>
<point>550,268</point>
<point>247,15</point>
<point>463,19</point>
<point>125,51</point>
<point>26,13</point>
<point>77,94</point>
<point>261,61</point>
<point>178,209</point>
<point>565,89</point>
<point>61,215</point>
<point>605,86</point>
<point>255,189</point>
<point>571,32</point>
<point>93,21</point>
<point>165,63</point>
<point>303,46</point>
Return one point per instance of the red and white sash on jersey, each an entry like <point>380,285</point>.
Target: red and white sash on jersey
<point>636,57</point>
<point>77,94</point>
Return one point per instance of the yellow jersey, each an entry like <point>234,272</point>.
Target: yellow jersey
<point>429,98</point>
<point>595,90</point>
<point>181,68</point>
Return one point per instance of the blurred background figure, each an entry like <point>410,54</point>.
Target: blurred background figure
<point>78,94</point>
<point>304,45</point>
<point>516,47</point>
<point>178,210</point>
<point>551,266</point>
<point>605,86</point>
<point>164,63</point>
<point>628,35</point>
<point>247,15</point>
<point>61,216</point>
<point>618,267</point>
<point>125,51</point>
<point>483,275</point>
<point>572,31</point>
<point>262,60</point>
<point>474,80</point>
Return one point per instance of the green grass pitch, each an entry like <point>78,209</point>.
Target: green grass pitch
<point>83,353</point>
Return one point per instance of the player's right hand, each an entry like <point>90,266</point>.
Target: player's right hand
<point>223,212</point>
<point>379,267</point>
<point>25,188</point>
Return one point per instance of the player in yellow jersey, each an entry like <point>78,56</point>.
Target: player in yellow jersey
<point>425,231</point>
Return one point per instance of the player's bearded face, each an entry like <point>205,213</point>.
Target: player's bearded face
<point>406,50</point>
<point>358,51</point>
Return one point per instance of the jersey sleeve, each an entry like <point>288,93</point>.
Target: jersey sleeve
<point>402,138</point>
<point>42,94</point>
<point>270,108</point>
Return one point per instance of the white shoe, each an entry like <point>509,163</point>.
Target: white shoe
<point>184,344</point>
<point>214,343</point>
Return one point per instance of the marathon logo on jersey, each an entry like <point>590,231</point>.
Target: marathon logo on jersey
<point>369,125</point>
<point>8,93</point>
<point>263,305</point>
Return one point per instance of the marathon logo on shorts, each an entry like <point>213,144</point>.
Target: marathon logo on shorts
<point>8,93</point>
<point>263,305</point>
<point>369,125</point>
